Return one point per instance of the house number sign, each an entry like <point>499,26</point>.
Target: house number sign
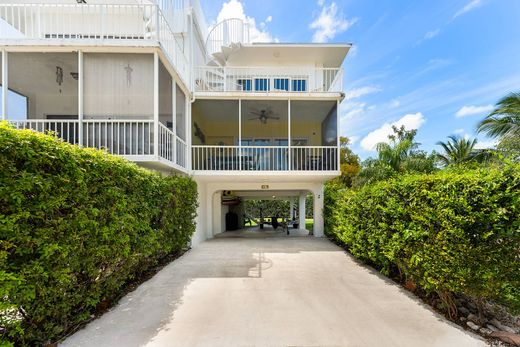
<point>265,186</point>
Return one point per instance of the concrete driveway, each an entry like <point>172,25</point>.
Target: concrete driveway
<point>277,291</point>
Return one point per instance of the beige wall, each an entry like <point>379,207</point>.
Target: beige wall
<point>118,85</point>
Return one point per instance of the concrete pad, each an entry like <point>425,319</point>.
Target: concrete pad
<point>279,291</point>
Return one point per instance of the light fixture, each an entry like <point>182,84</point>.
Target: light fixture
<point>74,75</point>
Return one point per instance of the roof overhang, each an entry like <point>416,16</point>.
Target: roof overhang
<point>268,54</point>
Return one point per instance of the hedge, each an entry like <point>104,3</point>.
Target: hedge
<point>76,225</point>
<point>453,232</point>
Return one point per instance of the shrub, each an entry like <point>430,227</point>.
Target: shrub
<point>75,226</point>
<point>452,232</point>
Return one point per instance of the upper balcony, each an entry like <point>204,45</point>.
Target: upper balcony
<point>237,65</point>
<point>267,80</point>
<point>99,24</point>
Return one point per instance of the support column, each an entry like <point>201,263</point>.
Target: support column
<point>187,131</point>
<point>174,118</point>
<point>239,134</point>
<point>289,155</point>
<point>156,104</point>
<point>217,215</point>
<point>80,98</point>
<point>318,211</point>
<point>5,87</point>
<point>301,214</point>
<point>338,148</point>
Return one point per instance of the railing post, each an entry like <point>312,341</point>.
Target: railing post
<point>80,98</point>
<point>156,104</point>
<point>157,28</point>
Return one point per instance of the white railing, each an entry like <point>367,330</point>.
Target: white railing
<point>264,158</point>
<point>225,33</point>
<point>182,151</point>
<point>267,79</point>
<point>129,138</point>
<point>68,130</point>
<point>95,22</point>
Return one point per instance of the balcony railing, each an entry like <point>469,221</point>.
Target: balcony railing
<point>97,23</point>
<point>133,139</point>
<point>225,33</point>
<point>264,158</point>
<point>267,79</point>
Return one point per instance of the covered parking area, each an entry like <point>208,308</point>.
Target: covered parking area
<point>216,191</point>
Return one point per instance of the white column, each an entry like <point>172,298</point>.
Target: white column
<point>289,155</point>
<point>291,208</point>
<point>217,215</point>
<point>5,86</point>
<point>156,104</point>
<point>337,137</point>
<point>80,98</point>
<point>187,131</point>
<point>301,214</point>
<point>174,118</point>
<point>318,211</point>
<point>239,134</point>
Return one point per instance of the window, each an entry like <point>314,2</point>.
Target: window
<point>299,85</point>
<point>281,84</point>
<point>262,84</point>
<point>245,84</point>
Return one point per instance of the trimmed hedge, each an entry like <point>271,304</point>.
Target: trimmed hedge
<point>453,232</point>
<point>76,225</point>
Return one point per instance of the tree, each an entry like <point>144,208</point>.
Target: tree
<point>349,162</point>
<point>400,155</point>
<point>402,145</point>
<point>504,121</point>
<point>457,150</point>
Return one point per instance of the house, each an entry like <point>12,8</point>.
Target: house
<point>149,81</point>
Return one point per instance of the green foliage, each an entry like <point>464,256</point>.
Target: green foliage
<point>400,156</point>
<point>349,162</point>
<point>75,226</point>
<point>504,121</point>
<point>454,231</point>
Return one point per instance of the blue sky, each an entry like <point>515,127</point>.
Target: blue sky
<point>438,66</point>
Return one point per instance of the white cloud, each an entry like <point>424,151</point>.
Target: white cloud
<point>486,144</point>
<point>329,23</point>
<point>431,34</point>
<point>472,110</point>
<point>469,6</point>
<point>235,9</point>
<point>410,122</point>
<point>359,92</point>
<point>459,131</point>
<point>395,103</point>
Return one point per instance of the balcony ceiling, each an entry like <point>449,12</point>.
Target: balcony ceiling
<point>260,54</point>
<point>304,111</point>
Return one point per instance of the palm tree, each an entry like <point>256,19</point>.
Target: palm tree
<point>402,145</point>
<point>504,121</point>
<point>457,150</point>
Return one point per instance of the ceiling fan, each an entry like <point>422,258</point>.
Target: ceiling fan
<point>263,115</point>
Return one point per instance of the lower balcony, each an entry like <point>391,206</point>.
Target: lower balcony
<point>132,139</point>
<point>264,158</point>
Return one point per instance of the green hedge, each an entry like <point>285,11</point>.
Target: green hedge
<point>453,232</point>
<point>76,225</point>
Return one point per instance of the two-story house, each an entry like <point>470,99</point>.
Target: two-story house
<point>148,80</point>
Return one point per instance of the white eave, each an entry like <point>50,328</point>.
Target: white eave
<point>329,55</point>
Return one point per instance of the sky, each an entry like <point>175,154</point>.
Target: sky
<point>436,66</point>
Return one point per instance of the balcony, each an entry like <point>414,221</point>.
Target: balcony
<point>264,158</point>
<point>133,139</point>
<point>267,80</point>
<point>100,24</point>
